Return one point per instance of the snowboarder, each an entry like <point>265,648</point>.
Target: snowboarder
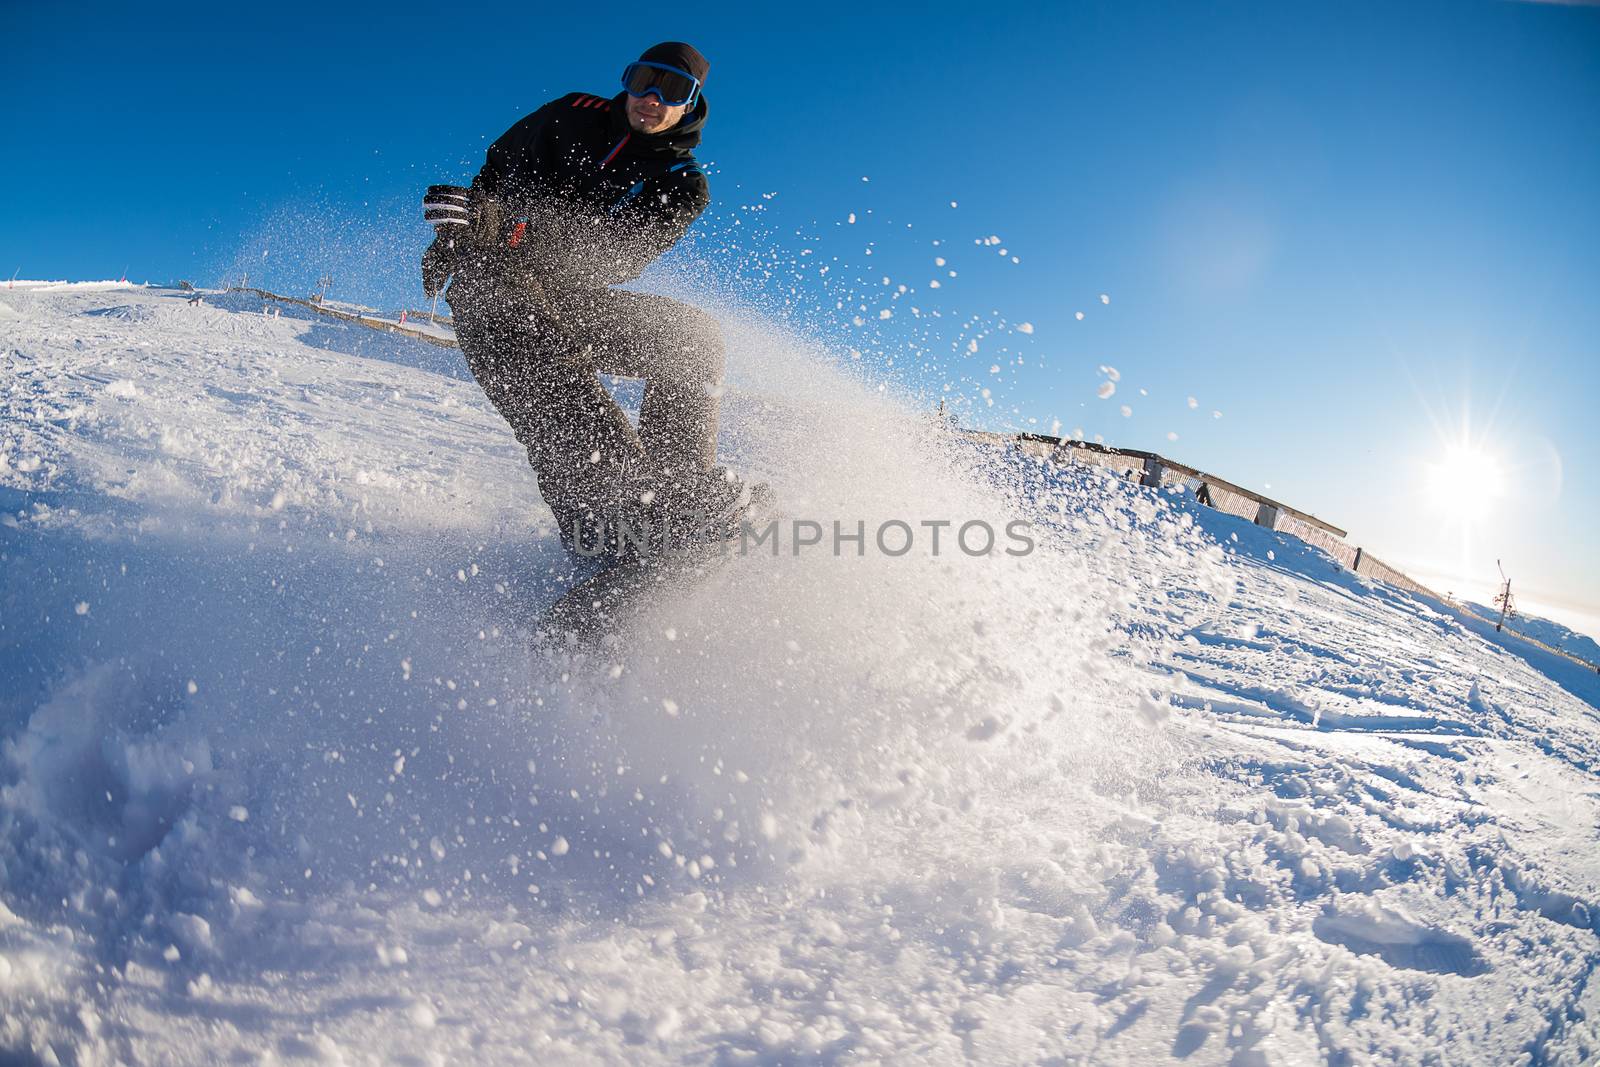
<point>576,198</point>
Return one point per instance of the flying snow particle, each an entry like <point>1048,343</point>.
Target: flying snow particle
<point>1172,435</point>
<point>239,813</point>
<point>952,203</point>
<point>670,707</point>
<point>1078,315</point>
<point>1193,403</point>
<point>192,687</point>
<point>852,219</point>
<point>82,607</point>
<point>559,847</point>
<point>1216,414</point>
<point>994,368</point>
<point>1106,390</point>
<point>1104,299</point>
<point>885,314</point>
<point>1126,411</point>
<point>1111,372</point>
<point>1024,327</point>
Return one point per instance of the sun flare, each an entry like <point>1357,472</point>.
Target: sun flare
<point>1465,482</point>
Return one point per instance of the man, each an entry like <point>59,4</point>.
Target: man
<point>575,198</point>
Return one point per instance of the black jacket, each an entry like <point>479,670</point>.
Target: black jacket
<point>575,198</point>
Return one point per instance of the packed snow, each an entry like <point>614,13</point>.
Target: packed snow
<point>284,779</point>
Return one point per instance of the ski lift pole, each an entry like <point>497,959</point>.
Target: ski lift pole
<point>1504,599</point>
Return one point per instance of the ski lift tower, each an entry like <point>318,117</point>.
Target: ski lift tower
<point>1508,609</point>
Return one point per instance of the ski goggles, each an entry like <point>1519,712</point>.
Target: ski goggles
<point>671,86</point>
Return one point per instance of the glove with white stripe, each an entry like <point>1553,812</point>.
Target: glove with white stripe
<point>444,207</point>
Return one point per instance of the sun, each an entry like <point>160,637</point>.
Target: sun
<point>1465,482</point>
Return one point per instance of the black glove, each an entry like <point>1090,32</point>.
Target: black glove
<point>440,261</point>
<point>471,212</point>
<point>445,207</point>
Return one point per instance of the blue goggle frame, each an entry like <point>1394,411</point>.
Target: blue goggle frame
<point>689,101</point>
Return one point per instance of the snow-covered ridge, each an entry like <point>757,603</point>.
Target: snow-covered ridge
<point>280,778</point>
<point>39,286</point>
<point>1545,631</point>
<point>422,325</point>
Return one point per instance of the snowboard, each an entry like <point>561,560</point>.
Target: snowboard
<point>611,601</point>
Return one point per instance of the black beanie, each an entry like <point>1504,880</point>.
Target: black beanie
<point>677,54</point>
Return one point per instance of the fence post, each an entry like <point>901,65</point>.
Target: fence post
<point>1152,473</point>
<point>1356,565</point>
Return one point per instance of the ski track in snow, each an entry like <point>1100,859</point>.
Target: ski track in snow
<point>281,781</point>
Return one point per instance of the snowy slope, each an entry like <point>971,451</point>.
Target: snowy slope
<point>281,780</point>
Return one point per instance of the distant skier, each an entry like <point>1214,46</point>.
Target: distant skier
<point>575,198</point>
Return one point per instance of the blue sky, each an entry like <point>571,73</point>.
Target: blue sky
<point>1357,230</point>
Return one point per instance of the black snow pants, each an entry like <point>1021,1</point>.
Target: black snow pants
<point>537,354</point>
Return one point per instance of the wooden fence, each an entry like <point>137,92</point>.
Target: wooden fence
<point>1155,470</point>
<point>1151,469</point>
